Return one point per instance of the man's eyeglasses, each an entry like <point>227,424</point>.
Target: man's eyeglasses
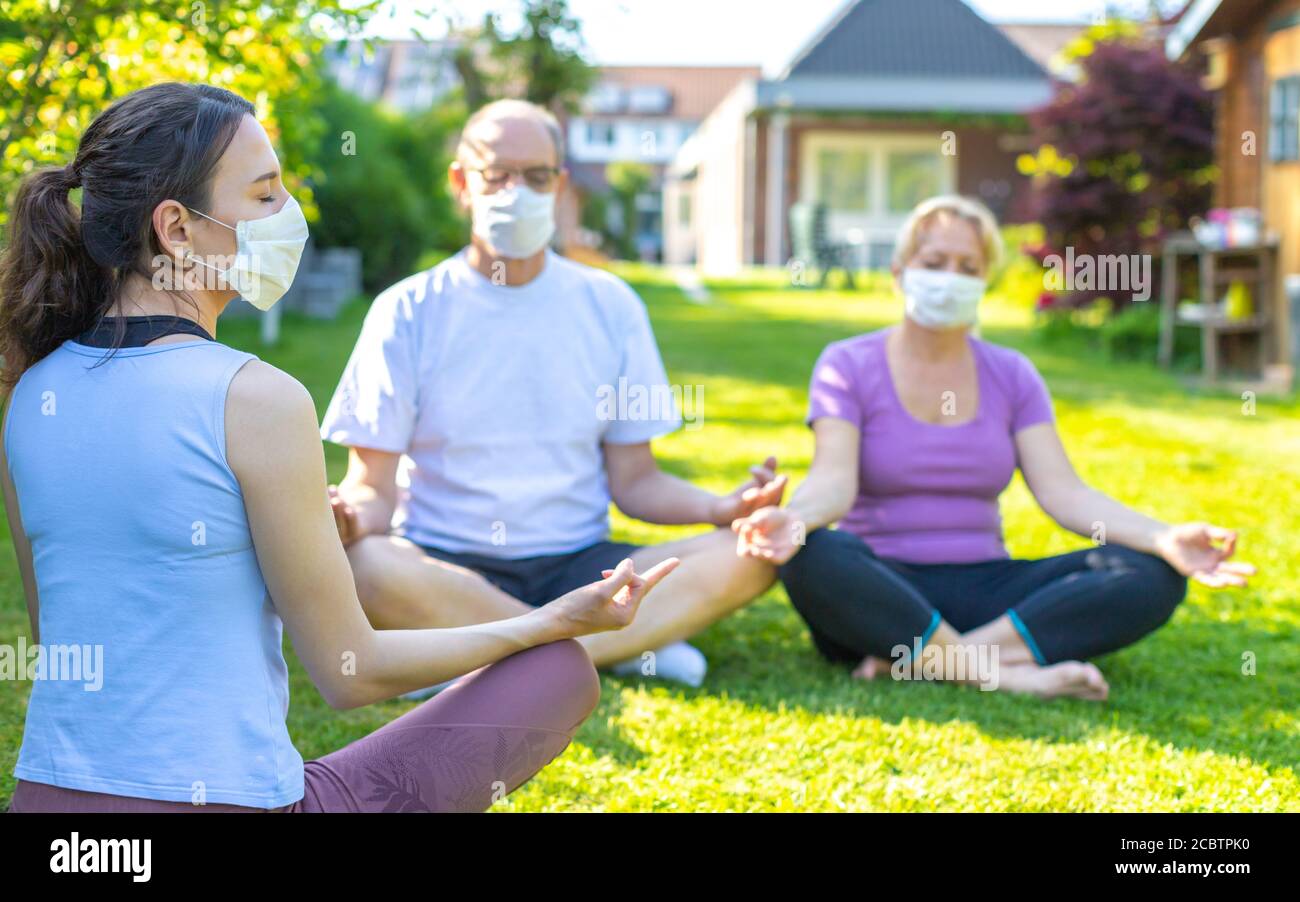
<point>539,178</point>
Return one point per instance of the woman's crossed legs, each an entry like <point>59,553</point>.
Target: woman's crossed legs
<point>462,750</point>
<point>1044,617</point>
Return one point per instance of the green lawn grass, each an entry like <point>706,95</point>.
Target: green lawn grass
<point>774,728</point>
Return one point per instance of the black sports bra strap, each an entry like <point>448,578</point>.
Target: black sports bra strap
<point>140,330</point>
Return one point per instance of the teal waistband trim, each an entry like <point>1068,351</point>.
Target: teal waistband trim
<point>1027,636</point>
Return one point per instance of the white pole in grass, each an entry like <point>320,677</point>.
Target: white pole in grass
<point>774,214</point>
<point>271,326</point>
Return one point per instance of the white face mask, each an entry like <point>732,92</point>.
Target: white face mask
<point>516,222</point>
<point>267,253</point>
<point>942,300</point>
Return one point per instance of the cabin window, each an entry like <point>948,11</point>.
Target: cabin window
<point>1284,120</point>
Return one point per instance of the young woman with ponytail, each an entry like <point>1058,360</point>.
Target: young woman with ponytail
<point>166,497</point>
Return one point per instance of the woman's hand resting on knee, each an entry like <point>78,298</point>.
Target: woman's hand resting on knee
<point>1201,552</point>
<point>771,534</point>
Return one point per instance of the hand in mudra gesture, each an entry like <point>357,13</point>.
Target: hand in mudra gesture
<point>771,534</point>
<point>1202,552</point>
<point>611,603</point>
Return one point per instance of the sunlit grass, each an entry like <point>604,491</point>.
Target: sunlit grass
<point>775,728</point>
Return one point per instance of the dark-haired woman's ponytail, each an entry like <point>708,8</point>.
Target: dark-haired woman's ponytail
<point>50,288</point>
<point>64,268</point>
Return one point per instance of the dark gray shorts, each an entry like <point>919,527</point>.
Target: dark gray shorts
<point>537,580</point>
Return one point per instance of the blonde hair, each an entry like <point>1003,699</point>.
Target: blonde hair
<point>974,212</point>
<point>510,108</point>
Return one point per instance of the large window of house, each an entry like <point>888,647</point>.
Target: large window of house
<point>1284,120</point>
<point>844,179</point>
<point>867,179</point>
<point>911,177</point>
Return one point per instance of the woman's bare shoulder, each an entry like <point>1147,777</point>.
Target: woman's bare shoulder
<point>268,412</point>
<point>260,386</point>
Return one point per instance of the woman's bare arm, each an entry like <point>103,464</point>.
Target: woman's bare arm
<point>828,492</point>
<point>1071,502</point>
<point>274,449</point>
<point>1201,551</point>
<point>775,534</point>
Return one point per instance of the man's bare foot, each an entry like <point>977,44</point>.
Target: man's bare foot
<point>1071,679</point>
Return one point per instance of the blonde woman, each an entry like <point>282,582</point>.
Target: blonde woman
<point>919,427</point>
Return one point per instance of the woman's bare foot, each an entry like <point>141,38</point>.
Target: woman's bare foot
<point>1071,679</point>
<point>871,668</point>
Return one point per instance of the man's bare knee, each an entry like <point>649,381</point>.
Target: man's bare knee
<point>380,569</point>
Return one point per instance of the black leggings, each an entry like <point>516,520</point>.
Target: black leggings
<point>1072,606</point>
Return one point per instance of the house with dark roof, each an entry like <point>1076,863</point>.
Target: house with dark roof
<point>891,102</point>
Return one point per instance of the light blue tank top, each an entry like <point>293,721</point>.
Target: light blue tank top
<point>144,563</point>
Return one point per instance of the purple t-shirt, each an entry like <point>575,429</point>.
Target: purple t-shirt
<point>927,493</point>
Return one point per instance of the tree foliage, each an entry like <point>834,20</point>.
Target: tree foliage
<point>1126,156</point>
<point>63,61</point>
<point>541,61</point>
<point>379,179</point>
<point>626,181</point>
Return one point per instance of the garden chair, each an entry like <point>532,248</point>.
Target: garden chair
<point>812,246</point>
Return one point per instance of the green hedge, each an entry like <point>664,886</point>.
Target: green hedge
<point>380,182</point>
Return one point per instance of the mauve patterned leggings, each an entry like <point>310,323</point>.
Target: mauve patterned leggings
<point>459,751</point>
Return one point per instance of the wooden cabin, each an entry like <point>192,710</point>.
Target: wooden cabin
<point>1251,53</point>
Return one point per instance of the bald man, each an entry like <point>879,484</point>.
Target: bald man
<point>484,412</point>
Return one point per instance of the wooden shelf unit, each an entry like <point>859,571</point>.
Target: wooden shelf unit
<point>1217,267</point>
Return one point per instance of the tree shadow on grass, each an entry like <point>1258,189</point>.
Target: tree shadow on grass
<point>1183,686</point>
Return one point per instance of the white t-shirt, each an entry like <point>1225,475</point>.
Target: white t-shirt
<point>499,398</point>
